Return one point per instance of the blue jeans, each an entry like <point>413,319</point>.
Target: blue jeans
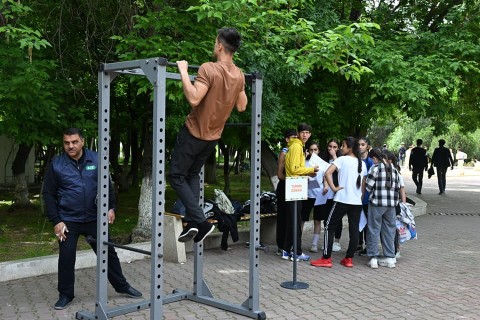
<point>381,226</point>
<point>68,254</point>
<point>188,158</point>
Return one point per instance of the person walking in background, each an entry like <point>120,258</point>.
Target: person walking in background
<point>348,200</point>
<point>218,88</point>
<point>401,154</point>
<point>70,197</point>
<point>460,156</point>
<point>383,183</point>
<point>282,217</point>
<point>294,167</point>
<point>442,159</point>
<point>418,163</point>
<point>384,148</point>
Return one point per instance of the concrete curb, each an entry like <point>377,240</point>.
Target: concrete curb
<point>32,267</point>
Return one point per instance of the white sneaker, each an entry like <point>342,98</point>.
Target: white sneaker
<point>387,262</point>
<point>398,255</point>
<point>373,263</point>
<point>336,247</point>
<point>285,255</point>
<point>314,248</point>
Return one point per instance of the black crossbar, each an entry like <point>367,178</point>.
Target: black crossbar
<point>91,239</point>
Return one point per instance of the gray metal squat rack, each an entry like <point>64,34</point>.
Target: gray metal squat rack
<point>155,70</point>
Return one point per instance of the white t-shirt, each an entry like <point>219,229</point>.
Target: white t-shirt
<point>315,184</point>
<point>461,155</point>
<point>347,167</point>
<point>402,183</point>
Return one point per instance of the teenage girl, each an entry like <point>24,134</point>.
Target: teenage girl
<point>333,152</point>
<point>316,194</point>
<point>347,201</point>
<point>383,183</point>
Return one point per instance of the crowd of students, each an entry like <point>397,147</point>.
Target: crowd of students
<point>348,178</point>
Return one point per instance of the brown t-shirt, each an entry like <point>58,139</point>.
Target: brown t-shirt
<point>224,81</point>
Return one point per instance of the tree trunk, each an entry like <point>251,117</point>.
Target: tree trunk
<point>143,230</point>
<point>21,199</point>
<point>269,164</point>
<point>114,151</point>
<point>209,169</point>
<point>226,166</point>
<point>133,173</point>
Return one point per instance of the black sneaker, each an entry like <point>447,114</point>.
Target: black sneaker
<point>362,252</point>
<point>62,302</point>
<point>189,231</point>
<point>204,229</point>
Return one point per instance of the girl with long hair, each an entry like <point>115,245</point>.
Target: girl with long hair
<point>383,183</point>
<point>347,201</point>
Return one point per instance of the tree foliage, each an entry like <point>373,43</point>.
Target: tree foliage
<point>343,66</point>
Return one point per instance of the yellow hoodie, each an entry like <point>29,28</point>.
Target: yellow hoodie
<point>295,160</point>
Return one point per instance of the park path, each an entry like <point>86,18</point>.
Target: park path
<point>437,276</point>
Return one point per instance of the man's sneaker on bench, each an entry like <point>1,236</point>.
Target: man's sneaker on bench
<point>189,231</point>
<point>204,229</point>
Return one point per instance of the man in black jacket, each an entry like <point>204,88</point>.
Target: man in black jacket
<point>419,162</point>
<point>442,159</point>
<point>70,193</point>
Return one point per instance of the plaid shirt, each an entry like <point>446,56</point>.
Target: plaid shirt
<point>375,184</point>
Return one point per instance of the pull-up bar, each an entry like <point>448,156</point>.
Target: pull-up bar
<point>155,69</point>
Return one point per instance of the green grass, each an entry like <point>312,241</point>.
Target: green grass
<point>26,233</point>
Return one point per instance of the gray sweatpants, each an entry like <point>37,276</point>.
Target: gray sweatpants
<point>381,225</point>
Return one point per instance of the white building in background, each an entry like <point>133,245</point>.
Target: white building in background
<point>8,151</point>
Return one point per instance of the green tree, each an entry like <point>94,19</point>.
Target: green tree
<point>27,89</point>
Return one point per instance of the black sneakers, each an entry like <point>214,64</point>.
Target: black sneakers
<point>62,302</point>
<point>188,233</point>
<point>204,229</point>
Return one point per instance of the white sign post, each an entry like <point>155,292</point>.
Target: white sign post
<point>296,188</point>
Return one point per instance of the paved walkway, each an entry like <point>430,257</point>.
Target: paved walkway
<point>436,278</point>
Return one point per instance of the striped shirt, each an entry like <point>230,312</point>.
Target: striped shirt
<point>380,195</point>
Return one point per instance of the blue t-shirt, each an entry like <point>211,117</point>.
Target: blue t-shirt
<point>369,163</point>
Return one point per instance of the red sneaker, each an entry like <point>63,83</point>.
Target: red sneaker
<point>347,262</point>
<point>322,262</point>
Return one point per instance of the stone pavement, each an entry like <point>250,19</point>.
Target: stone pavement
<point>437,276</point>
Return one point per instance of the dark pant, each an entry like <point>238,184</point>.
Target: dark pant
<point>417,177</point>
<point>324,210</point>
<point>281,215</point>
<point>290,219</point>
<point>68,255</point>
<point>441,176</point>
<point>188,158</point>
<point>307,206</point>
<point>335,217</point>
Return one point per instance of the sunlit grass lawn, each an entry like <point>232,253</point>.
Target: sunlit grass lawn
<point>27,233</point>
